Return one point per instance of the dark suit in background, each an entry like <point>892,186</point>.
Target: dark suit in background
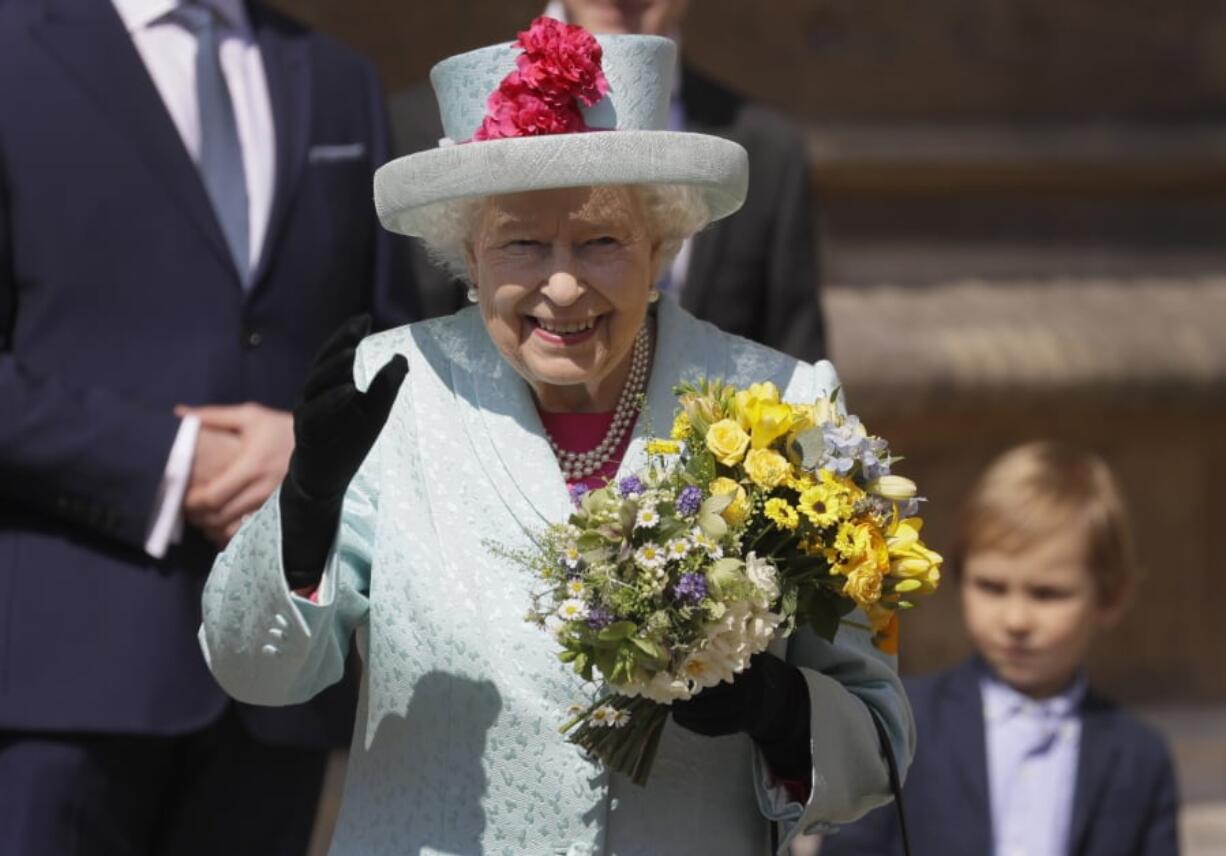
<point>754,273</point>
<point>119,300</point>
<point>1125,799</point>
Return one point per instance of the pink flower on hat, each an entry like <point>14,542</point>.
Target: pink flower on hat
<point>560,63</point>
<point>518,110</point>
<point>563,59</point>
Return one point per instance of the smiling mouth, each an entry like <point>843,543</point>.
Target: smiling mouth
<point>568,329</point>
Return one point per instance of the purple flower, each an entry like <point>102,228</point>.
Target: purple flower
<point>689,500</point>
<point>630,486</point>
<point>599,617</point>
<point>691,588</point>
<point>577,492</point>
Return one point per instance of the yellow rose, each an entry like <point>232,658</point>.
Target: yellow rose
<point>728,442</point>
<point>767,468</point>
<point>863,585</point>
<point>738,510</point>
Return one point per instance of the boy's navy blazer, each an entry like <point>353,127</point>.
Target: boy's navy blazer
<point>118,300</point>
<point>1125,802</point>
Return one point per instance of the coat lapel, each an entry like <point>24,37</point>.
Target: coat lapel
<point>963,719</point>
<point>90,41</point>
<point>288,71</point>
<point>1096,762</point>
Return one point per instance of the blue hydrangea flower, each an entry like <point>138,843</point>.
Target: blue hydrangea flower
<point>689,500</point>
<point>691,588</point>
<point>599,617</point>
<point>631,486</point>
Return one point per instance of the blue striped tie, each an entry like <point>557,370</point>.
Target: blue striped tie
<point>221,153</point>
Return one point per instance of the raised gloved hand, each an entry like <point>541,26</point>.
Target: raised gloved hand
<point>769,701</point>
<point>335,427</point>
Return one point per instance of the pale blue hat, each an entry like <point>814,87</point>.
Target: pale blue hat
<point>629,143</point>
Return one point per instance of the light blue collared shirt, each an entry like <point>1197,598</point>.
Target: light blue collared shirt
<point>1032,748</point>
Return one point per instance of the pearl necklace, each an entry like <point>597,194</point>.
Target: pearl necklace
<point>580,465</point>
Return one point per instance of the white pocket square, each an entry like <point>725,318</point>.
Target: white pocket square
<point>333,153</point>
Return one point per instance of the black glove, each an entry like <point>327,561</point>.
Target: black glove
<point>334,429</point>
<point>769,701</point>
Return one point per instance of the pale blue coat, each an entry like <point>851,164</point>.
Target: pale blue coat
<point>456,748</point>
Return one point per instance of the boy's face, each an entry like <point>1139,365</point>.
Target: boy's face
<point>1033,614</point>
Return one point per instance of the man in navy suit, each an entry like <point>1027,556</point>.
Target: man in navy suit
<point>1016,756</point>
<point>184,216</point>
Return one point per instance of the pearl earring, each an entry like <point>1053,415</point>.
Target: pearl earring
<point>472,294</point>
<point>653,294</point>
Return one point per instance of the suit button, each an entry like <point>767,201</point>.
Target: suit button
<point>253,338</point>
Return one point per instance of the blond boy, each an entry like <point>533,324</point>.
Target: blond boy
<point>1017,755</point>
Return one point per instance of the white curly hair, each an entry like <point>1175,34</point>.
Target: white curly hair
<point>674,212</point>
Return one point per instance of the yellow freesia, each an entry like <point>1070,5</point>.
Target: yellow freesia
<point>769,423</point>
<point>893,487</point>
<point>910,558</point>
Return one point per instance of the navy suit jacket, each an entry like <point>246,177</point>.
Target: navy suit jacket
<point>118,300</point>
<point>1125,799</point>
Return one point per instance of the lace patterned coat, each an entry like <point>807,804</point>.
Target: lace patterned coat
<point>456,749</point>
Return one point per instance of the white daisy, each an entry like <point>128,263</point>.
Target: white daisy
<point>572,609</point>
<point>678,548</point>
<point>647,517</point>
<point>571,555</point>
<point>706,543</point>
<point>602,715</point>
<point>574,710</point>
<point>651,557</point>
<point>574,588</point>
<point>619,718</point>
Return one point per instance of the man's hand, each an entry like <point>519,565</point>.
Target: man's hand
<point>260,441</point>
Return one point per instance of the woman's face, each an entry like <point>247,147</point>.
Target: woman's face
<point>563,278</point>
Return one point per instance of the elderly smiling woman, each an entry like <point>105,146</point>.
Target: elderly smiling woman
<point>419,446</point>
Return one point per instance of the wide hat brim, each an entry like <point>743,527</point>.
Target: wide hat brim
<point>408,188</point>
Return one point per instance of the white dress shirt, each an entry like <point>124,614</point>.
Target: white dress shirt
<point>168,51</point>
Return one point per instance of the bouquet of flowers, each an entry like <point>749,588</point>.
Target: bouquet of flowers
<point>754,518</point>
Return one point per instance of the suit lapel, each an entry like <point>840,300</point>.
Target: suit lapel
<point>1096,762</point>
<point>963,719</point>
<point>90,41</point>
<point>287,68</point>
